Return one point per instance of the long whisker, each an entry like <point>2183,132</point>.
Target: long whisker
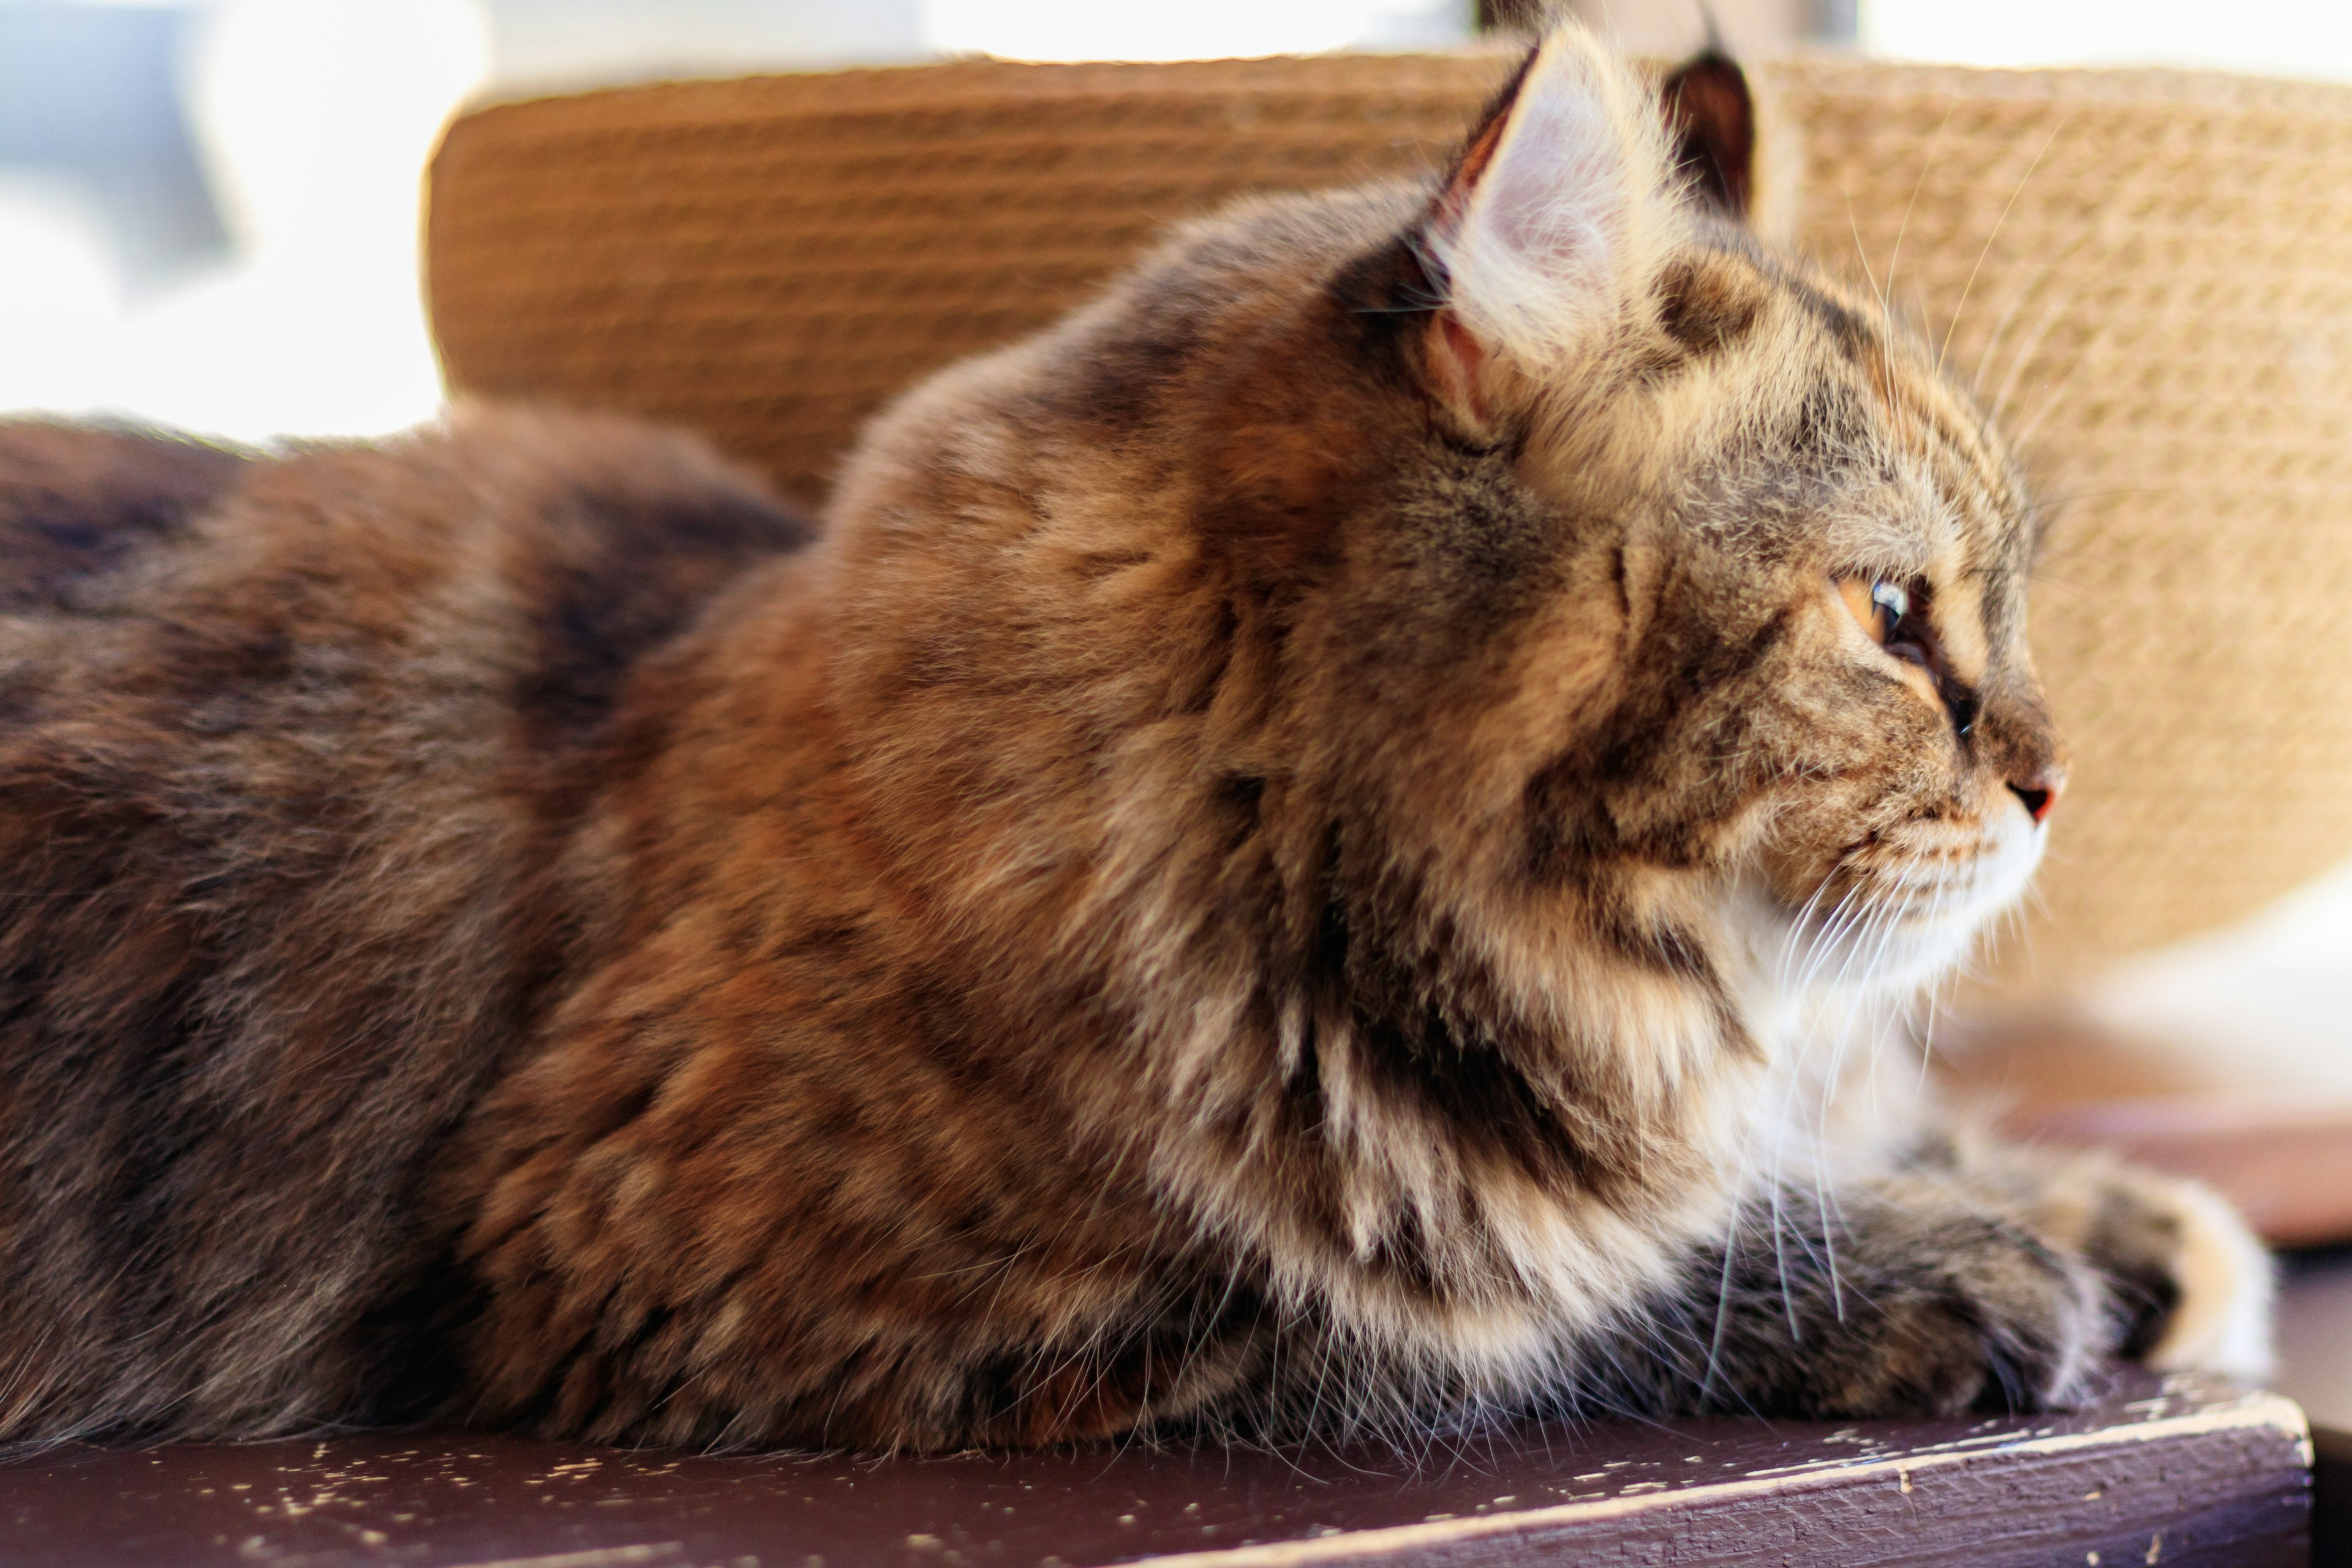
<point>2027,351</point>
<point>1927,166</point>
<point>1970,286</point>
<point>1730,1252</point>
<point>1855,225</point>
<point>1803,928</point>
<point>2057,395</point>
<point>2027,290</point>
<point>2024,355</point>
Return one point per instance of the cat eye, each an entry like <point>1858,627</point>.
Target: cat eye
<point>1879,605</point>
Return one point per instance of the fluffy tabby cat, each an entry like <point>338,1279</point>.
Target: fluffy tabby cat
<point>1258,874</point>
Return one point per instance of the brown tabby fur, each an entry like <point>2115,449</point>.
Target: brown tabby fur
<point>1234,885</point>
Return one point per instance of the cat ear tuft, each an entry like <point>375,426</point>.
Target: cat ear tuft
<point>1559,212</point>
<point>1711,117</point>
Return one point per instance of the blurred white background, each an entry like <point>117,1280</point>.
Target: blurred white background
<point>207,207</point>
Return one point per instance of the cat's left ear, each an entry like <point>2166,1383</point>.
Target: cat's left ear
<point>1712,118</point>
<point>1554,226</point>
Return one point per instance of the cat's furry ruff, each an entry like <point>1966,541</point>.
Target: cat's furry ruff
<point>1241,883</point>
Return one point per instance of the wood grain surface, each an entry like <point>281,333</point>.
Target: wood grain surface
<point>2182,1471</point>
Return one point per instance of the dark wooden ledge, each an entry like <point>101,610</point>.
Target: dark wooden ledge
<point>2183,1471</point>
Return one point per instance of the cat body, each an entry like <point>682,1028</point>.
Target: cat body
<point>1250,879</point>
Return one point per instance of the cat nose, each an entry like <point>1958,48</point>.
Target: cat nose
<point>2039,792</point>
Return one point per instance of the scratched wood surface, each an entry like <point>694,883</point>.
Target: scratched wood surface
<point>2178,1472</point>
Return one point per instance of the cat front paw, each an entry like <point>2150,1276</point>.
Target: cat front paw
<point>1999,1282</point>
<point>1969,1312</point>
<point>1922,1302</point>
<point>2191,1283</point>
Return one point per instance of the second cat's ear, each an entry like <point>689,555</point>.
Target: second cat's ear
<point>1555,220</point>
<point>1712,118</point>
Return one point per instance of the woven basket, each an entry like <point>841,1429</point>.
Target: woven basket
<point>2151,273</point>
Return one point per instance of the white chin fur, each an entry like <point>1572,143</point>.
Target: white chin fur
<point>2223,1322</point>
<point>1916,949</point>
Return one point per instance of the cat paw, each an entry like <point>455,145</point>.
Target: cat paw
<point>2191,1285</point>
<point>1929,1303</point>
<point>1999,1283</point>
<point>2188,1284</point>
<point>1979,1315</point>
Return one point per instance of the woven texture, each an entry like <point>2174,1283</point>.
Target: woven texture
<point>770,259</point>
<point>2145,271</point>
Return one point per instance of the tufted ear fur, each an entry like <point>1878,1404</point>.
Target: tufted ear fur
<point>1555,220</point>
<point>1712,119</point>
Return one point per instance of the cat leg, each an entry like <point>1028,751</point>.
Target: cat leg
<point>1909,1293</point>
<point>2188,1283</point>
<point>1968,1278</point>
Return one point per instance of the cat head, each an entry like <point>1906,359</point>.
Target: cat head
<point>1523,583</point>
<point>1702,584</point>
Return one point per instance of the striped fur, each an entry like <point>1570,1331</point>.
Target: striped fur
<point>1259,874</point>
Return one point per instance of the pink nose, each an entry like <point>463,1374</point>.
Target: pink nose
<point>2039,791</point>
